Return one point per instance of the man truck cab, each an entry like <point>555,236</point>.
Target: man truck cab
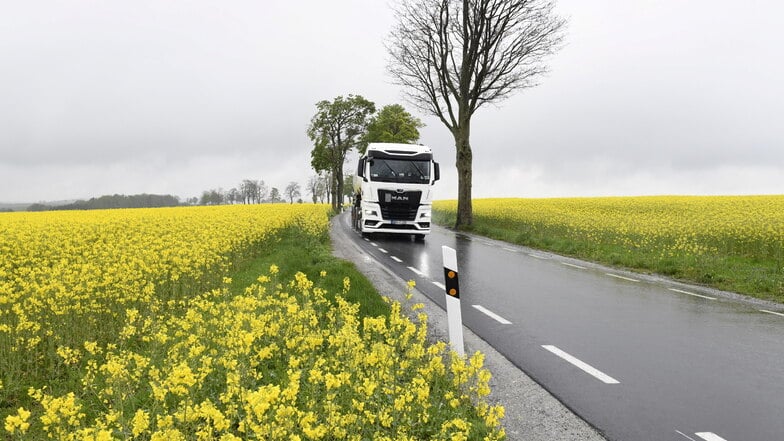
<point>393,189</point>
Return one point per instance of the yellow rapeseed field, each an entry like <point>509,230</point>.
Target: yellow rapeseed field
<point>742,236</point>
<point>120,325</point>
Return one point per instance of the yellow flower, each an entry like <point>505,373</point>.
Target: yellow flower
<point>140,422</point>
<point>17,423</point>
<point>168,435</point>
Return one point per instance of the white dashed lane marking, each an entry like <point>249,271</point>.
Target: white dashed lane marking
<point>396,259</point>
<point>621,277</point>
<point>492,315</point>
<point>772,312</point>
<point>710,436</point>
<point>684,435</point>
<point>416,271</point>
<point>573,265</point>
<point>585,367</point>
<point>692,294</point>
<point>439,284</point>
<point>382,250</point>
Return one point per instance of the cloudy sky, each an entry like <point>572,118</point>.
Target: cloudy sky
<point>150,96</point>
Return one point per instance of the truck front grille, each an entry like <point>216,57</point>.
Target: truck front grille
<point>399,205</point>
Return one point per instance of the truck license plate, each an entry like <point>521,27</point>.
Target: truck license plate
<point>398,222</point>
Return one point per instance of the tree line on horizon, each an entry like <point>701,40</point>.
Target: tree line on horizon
<point>105,202</point>
<point>249,191</point>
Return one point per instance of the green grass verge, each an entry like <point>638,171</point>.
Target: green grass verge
<point>750,276</point>
<point>294,252</point>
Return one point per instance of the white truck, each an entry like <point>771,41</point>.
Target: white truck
<point>393,190</point>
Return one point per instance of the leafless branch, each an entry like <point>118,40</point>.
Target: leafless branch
<point>453,56</point>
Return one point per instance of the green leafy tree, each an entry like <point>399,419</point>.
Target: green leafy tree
<point>392,124</point>
<point>454,56</point>
<point>348,185</point>
<point>337,128</point>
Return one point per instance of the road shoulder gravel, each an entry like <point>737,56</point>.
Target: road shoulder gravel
<point>532,413</point>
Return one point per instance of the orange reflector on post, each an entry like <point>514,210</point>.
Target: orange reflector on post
<point>452,285</point>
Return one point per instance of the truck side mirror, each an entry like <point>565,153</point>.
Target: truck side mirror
<point>436,172</point>
<point>361,168</point>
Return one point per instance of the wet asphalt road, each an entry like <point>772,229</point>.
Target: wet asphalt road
<point>631,356</point>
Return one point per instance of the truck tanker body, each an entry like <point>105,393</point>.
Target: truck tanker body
<point>393,189</point>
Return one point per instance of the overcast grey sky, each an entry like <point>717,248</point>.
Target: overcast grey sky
<point>647,97</point>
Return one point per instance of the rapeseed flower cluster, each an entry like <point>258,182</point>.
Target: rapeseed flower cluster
<point>279,362</point>
<point>82,271</point>
<point>104,337</point>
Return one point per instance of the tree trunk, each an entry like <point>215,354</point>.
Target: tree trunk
<point>337,198</point>
<point>465,212</point>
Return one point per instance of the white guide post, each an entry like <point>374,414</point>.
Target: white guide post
<point>454,316</point>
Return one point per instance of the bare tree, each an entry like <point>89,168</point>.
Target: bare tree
<point>315,188</point>
<point>261,191</point>
<point>233,196</point>
<point>248,190</point>
<point>292,191</point>
<point>453,56</point>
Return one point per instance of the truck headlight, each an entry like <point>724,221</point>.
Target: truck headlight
<point>371,212</point>
<point>425,215</point>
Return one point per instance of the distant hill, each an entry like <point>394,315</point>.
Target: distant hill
<point>113,201</point>
<point>5,207</point>
<point>24,206</point>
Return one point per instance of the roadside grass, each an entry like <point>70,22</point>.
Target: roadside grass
<point>294,252</point>
<point>759,276</point>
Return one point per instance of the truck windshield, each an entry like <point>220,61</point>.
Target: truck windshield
<point>399,170</point>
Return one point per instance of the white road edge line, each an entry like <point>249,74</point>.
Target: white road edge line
<point>439,284</point>
<point>492,315</point>
<point>692,294</point>
<point>684,435</point>
<point>601,376</point>
<point>396,259</point>
<point>416,271</point>
<point>382,250</point>
<point>710,436</point>
<point>771,312</point>
<point>621,277</point>
<point>537,257</point>
<point>573,265</point>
